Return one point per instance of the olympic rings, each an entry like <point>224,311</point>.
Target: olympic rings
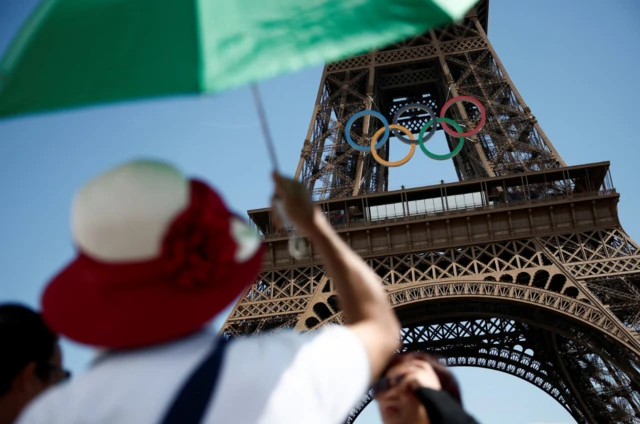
<point>432,125</point>
<point>398,162</point>
<point>362,113</point>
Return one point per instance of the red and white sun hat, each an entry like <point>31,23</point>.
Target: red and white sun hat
<point>159,256</point>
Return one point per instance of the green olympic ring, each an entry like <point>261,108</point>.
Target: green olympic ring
<point>433,155</point>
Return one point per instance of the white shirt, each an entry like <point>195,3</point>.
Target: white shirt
<point>271,379</point>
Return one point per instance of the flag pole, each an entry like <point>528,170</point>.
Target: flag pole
<point>265,127</point>
<point>297,248</point>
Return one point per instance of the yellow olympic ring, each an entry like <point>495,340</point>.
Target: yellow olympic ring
<point>396,163</point>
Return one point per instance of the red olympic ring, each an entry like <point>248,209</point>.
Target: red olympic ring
<point>483,116</point>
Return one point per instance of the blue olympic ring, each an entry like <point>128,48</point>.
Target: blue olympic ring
<point>350,122</point>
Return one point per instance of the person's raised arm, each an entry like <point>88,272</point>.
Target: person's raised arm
<point>362,296</point>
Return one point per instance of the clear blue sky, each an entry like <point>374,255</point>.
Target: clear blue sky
<point>574,61</point>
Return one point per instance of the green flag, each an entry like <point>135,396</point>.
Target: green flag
<point>74,53</point>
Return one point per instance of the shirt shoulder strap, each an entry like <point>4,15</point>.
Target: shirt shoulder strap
<point>441,407</point>
<point>190,404</point>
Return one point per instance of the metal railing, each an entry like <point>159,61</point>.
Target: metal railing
<point>408,217</point>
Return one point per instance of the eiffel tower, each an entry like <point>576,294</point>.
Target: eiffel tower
<point>522,266</point>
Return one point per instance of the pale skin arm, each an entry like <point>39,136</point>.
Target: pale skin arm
<point>362,295</point>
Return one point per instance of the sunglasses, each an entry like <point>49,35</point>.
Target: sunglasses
<point>385,384</point>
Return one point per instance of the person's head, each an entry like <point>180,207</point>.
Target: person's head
<point>30,357</point>
<point>406,372</point>
<point>159,256</point>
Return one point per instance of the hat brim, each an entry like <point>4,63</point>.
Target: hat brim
<point>77,305</point>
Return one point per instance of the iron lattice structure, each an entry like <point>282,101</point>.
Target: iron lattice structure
<point>428,69</point>
<point>521,267</point>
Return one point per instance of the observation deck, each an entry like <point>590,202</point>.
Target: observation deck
<point>534,204</point>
